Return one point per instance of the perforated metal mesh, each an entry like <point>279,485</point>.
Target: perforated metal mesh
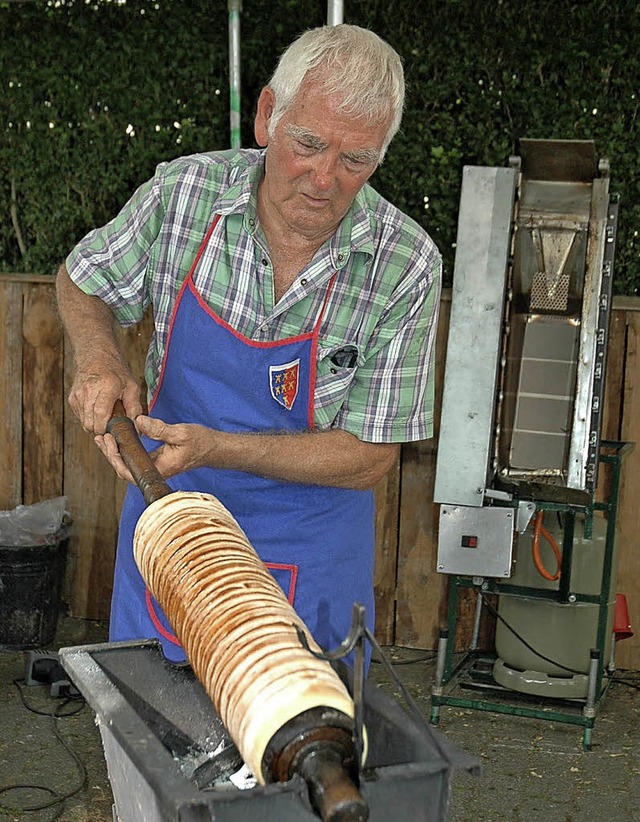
<point>549,296</point>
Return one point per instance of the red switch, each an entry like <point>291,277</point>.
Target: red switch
<point>469,541</point>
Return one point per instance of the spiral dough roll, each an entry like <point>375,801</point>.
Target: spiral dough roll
<point>233,621</point>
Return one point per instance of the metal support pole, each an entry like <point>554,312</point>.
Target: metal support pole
<point>235,7</point>
<point>589,710</point>
<point>335,12</point>
<point>611,667</point>
<point>436,691</point>
<point>564,587</point>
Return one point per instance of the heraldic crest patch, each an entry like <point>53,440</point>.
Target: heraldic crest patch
<point>283,383</point>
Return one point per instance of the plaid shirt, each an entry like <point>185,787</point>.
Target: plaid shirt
<point>383,305</point>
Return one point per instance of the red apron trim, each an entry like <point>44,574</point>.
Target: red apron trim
<point>246,340</point>
<point>314,353</point>
<point>175,309</point>
<point>293,570</point>
<point>157,624</point>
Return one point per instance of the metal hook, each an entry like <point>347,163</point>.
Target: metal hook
<point>355,639</point>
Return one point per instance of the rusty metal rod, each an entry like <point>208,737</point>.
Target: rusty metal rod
<point>143,470</point>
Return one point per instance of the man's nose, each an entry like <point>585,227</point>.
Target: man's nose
<point>324,171</point>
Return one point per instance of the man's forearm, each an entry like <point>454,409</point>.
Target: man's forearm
<point>102,374</point>
<point>334,458</point>
<point>88,322</point>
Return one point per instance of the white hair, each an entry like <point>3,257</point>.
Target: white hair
<point>351,62</point>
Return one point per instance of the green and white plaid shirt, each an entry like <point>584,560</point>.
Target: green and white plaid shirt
<point>383,305</point>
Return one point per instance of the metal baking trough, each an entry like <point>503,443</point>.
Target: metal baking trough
<point>167,751</point>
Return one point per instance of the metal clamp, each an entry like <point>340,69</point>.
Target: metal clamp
<point>355,639</point>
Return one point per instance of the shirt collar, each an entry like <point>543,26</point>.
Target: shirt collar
<point>241,195</point>
<point>354,234</point>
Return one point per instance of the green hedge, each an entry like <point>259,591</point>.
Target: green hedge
<point>96,93</point>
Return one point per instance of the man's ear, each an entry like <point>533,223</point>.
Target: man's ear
<point>264,111</point>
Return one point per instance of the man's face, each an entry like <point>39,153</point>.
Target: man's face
<point>317,160</point>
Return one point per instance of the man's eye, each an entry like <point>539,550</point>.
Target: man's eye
<point>355,162</point>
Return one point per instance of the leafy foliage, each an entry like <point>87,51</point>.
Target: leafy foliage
<point>97,92</point>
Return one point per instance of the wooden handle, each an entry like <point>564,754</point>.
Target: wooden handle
<point>143,470</point>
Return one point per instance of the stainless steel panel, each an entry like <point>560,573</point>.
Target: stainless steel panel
<point>558,159</point>
<point>479,278</point>
<point>476,542</point>
<point>544,399</point>
<point>583,423</point>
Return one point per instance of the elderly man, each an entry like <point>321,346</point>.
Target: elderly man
<point>295,313</point>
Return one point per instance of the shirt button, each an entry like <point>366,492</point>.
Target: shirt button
<point>252,222</point>
<point>265,262</point>
<point>303,281</point>
<point>340,257</point>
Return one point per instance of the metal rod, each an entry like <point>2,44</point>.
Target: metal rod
<point>564,588</point>
<point>335,12</point>
<point>436,691</point>
<point>440,662</point>
<point>358,684</point>
<point>589,710</point>
<point>611,667</point>
<point>235,7</point>
<point>135,456</point>
<point>514,710</point>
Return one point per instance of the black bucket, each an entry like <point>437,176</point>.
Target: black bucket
<point>30,592</point>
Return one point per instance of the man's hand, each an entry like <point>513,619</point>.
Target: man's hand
<point>184,447</point>
<point>95,389</point>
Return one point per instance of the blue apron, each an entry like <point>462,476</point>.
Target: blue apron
<point>317,541</point>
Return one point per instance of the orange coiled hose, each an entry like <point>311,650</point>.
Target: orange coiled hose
<point>234,622</point>
<point>540,530</point>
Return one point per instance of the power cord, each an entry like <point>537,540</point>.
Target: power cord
<point>58,799</point>
<point>394,662</point>
<point>630,683</point>
<point>494,612</point>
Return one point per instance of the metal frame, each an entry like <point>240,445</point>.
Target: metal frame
<point>471,671</point>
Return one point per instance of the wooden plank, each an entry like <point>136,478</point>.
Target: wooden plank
<point>11,396</point>
<point>42,396</point>
<point>628,582</point>
<point>24,279</point>
<point>614,376</point>
<point>386,554</point>
<point>90,487</point>
<point>624,303</point>
<point>613,393</point>
<point>421,590</point>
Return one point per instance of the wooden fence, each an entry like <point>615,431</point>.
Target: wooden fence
<point>47,454</point>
